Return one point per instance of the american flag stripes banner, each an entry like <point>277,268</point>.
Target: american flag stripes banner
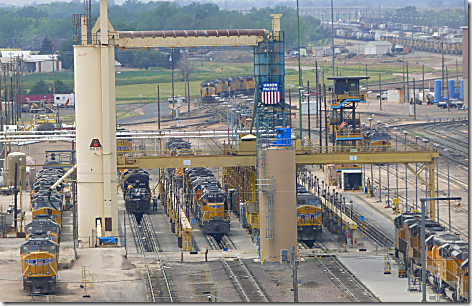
<point>270,93</point>
<point>343,125</point>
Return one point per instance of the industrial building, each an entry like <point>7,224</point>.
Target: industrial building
<point>378,47</point>
<point>34,62</point>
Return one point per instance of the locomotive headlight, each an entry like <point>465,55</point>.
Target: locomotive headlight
<point>30,273</point>
<point>47,272</point>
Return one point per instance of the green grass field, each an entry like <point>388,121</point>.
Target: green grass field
<point>131,84</point>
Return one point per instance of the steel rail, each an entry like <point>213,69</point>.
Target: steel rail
<point>157,249</point>
<point>350,275</point>
<point>253,281</point>
<point>337,279</point>
<point>233,276</point>
<point>135,228</point>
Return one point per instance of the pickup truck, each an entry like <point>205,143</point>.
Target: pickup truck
<point>384,95</point>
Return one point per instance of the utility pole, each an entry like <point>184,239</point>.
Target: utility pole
<point>423,85</point>
<point>316,85</point>
<point>457,72</point>
<point>403,62</point>
<point>299,72</point>
<point>380,88</point>
<point>332,38</point>
<point>309,115</point>
<point>442,64</point>
<point>173,93</point>
<point>407,84</point>
<point>54,85</point>
<point>414,98</point>
<point>1,104</point>
<point>295,278</point>
<point>448,102</point>
<point>22,89</point>
<point>325,117</point>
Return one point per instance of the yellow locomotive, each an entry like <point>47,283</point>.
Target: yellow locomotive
<point>447,256</point>
<point>309,217</point>
<point>39,263</point>
<point>209,202</point>
<point>45,224</point>
<point>44,203</point>
<point>226,87</point>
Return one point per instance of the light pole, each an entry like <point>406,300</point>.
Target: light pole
<point>171,59</point>
<point>396,164</point>
<point>437,176</point>
<point>406,179</point>
<point>388,173</point>
<point>299,71</point>
<point>448,186</point>
<point>370,123</point>
<point>380,179</point>
<point>426,172</point>
<point>416,169</point>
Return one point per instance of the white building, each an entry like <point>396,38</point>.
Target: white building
<point>33,62</point>
<point>378,47</point>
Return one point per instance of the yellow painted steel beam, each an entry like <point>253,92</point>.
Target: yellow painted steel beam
<point>366,158</point>
<point>417,174</point>
<point>249,159</point>
<point>125,42</point>
<point>163,162</point>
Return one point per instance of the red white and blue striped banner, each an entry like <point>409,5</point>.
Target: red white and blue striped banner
<point>270,93</point>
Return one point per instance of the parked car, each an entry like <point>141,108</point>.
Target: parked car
<point>384,95</point>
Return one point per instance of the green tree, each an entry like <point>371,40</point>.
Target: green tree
<point>66,54</point>
<point>40,88</point>
<point>46,46</point>
<point>62,88</point>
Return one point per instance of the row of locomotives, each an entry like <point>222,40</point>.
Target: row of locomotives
<point>309,217</point>
<point>209,203</point>
<point>447,255</point>
<point>377,140</point>
<point>40,252</point>
<point>210,90</point>
<point>136,192</point>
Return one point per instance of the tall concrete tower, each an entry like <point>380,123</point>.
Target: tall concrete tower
<point>94,75</point>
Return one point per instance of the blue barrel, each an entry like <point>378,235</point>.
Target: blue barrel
<point>461,95</point>
<point>437,91</point>
<point>450,88</point>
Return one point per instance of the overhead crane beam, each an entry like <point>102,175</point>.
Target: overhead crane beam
<point>394,157</point>
<point>163,162</point>
<point>249,159</point>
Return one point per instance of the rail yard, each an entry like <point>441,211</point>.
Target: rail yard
<point>250,193</point>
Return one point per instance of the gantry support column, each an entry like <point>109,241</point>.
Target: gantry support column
<point>277,201</point>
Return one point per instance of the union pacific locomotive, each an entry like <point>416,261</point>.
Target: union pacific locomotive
<point>226,87</point>
<point>309,216</point>
<point>136,192</point>
<point>208,202</point>
<point>447,256</point>
<point>40,253</point>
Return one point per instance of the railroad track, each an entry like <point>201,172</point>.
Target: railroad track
<point>225,243</point>
<point>244,282</point>
<point>146,242</point>
<point>345,280</point>
<point>40,298</point>
<point>412,182</point>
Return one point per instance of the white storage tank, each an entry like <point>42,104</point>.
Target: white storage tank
<point>20,159</point>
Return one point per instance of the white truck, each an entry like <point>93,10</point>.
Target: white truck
<point>64,100</point>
